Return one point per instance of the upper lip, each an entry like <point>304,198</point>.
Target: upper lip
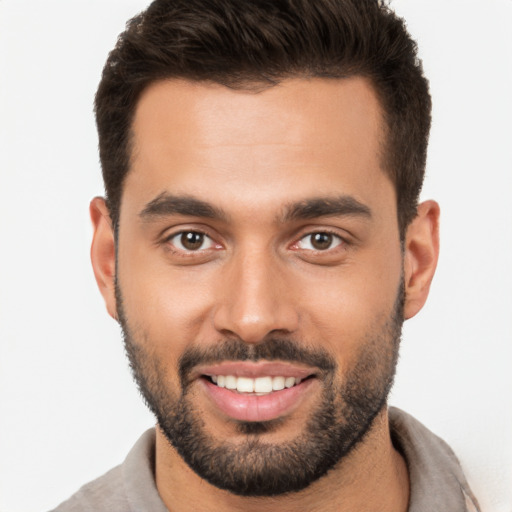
<point>254,369</point>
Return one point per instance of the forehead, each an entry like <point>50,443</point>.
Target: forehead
<point>301,136</point>
<point>292,99</point>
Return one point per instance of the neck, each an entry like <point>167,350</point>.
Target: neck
<point>372,477</point>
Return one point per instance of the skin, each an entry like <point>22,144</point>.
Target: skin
<point>252,155</point>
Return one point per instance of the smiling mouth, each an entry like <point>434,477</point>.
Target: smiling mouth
<point>258,386</point>
<point>257,391</point>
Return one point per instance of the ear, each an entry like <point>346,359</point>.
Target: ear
<point>103,254</point>
<point>421,254</point>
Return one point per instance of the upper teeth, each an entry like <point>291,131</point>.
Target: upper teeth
<point>257,385</point>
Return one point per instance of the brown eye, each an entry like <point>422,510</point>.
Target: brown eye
<point>320,241</point>
<point>191,241</point>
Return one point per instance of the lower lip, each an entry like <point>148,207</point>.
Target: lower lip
<point>247,407</point>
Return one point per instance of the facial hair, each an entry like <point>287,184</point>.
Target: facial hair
<point>347,409</point>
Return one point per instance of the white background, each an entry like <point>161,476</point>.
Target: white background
<point>68,408</point>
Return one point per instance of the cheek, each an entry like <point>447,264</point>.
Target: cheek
<point>351,304</point>
<point>169,307</point>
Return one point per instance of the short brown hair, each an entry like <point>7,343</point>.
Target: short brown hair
<point>242,43</point>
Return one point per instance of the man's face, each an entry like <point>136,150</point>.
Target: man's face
<point>258,248</point>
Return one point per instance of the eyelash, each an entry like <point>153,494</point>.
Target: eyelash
<point>186,252</point>
<point>183,250</point>
<point>337,239</point>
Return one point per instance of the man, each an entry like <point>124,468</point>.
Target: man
<point>261,244</point>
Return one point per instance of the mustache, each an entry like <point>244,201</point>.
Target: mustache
<point>271,349</point>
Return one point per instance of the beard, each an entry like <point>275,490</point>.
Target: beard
<point>347,408</point>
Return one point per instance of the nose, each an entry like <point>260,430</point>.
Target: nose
<point>256,301</point>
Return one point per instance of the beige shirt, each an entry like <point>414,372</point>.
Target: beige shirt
<point>437,481</point>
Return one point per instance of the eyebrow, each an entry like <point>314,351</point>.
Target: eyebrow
<point>167,204</point>
<point>325,207</point>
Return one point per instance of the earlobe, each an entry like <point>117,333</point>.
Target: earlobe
<point>103,254</point>
<point>421,254</point>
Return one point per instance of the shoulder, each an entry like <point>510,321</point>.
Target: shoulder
<point>436,478</point>
<point>105,493</point>
<point>128,487</point>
